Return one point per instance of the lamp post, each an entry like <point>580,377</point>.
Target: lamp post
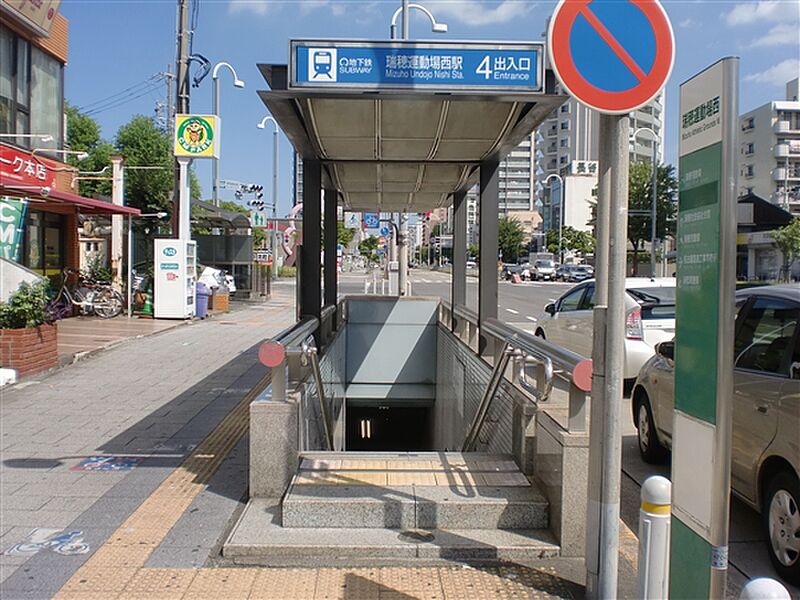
<point>402,245</point>
<point>274,243</point>
<point>435,27</point>
<point>215,109</point>
<point>45,138</point>
<point>560,206</point>
<point>653,209</point>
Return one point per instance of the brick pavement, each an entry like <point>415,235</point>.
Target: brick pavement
<point>153,398</point>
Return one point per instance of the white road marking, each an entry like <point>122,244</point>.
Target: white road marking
<point>512,311</point>
<point>534,319</point>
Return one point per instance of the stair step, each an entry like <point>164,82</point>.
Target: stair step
<point>259,539</point>
<point>412,490</point>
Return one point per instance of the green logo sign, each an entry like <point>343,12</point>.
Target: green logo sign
<point>12,222</point>
<point>195,135</point>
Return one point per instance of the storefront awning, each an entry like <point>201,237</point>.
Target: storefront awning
<point>88,206</point>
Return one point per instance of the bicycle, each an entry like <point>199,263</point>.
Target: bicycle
<point>68,543</point>
<point>90,297</point>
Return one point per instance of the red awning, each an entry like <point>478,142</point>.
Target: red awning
<point>92,206</point>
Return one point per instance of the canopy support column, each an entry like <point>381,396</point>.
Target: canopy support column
<point>309,292</point>
<point>458,295</point>
<point>487,282</point>
<point>331,239</point>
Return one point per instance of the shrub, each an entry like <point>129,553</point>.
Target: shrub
<point>97,270</point>
<point>26,308</point>
<point>287,271</point>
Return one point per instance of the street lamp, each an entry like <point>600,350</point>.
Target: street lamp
<point>215,109</point>
<point>653,210</point>
<point>435,27</point>
<point>274,242</point>
<point>78,154</point>
<point>560,207</point>
<point>42,137</point>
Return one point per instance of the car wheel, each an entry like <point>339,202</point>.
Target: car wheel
<point>650,447</point>
<point>540,334</point>
<point>781,517</point>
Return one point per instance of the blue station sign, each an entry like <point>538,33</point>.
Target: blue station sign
<point>444,66</point>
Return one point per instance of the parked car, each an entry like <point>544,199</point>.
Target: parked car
<point>650,318</point>
<point>510,270</point>
<point>543,270</point>
<point>580,273</point>
<point>765,461</point>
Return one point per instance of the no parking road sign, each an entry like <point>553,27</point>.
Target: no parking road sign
<point>612,55</point>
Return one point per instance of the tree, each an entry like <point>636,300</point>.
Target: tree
<point>510,237</point>
<point>344,235</point>
<point>571,239</point>
<point>787,239</point>
<point>367,247</point>
<point>640,197</point>
<point>83,135</point>
<point>474,250</point>
<point>142,143</point>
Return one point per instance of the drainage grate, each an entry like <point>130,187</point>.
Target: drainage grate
<point>415,535</point>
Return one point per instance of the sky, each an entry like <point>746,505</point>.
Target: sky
<point>117,47</point>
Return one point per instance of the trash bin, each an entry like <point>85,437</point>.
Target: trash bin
<point>203,293</point>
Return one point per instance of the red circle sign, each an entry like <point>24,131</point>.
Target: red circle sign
<point>271,353</point>
<point>611,101</point>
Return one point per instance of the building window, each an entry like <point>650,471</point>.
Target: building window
<point>748,124</point>
<point>563,143</point>
<point>749,148</point>
<point>565,107</point>
<point>564,125</point>
<point>31,92</point>
<point>748,171</point>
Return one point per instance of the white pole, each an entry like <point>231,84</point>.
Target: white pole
<point>184,227</point>
<point>215,160</point>
<point>130,266</point>
<point>118,199</point>
<point>654,534</point>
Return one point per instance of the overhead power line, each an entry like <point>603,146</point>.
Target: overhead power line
<point>124,100</point>
<point>153,79</point>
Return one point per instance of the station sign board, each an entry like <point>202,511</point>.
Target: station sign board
<point>411,65</point>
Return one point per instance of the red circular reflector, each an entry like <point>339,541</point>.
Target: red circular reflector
<point>271,353</point>
<point>582,375</point>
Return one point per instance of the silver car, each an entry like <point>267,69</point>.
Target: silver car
<point>765,462</point>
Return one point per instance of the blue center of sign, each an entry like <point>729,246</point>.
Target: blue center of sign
<point>597,62</point>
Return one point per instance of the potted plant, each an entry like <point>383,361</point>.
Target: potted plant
<point>28,332</point>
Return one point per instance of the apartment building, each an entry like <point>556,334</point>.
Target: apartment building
<point>769,155</point>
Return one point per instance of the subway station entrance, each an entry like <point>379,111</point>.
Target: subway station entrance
<point>404,427</point>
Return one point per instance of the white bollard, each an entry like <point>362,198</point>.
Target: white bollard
<point>654,533</point>
<point>764,588</point>
<point>366,286</point>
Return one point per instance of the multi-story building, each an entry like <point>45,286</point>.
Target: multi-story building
<point>769,156</point>
<point>515,176</point>
<point>297,176</point>
<point>38,198</point>
<point>569,137</point>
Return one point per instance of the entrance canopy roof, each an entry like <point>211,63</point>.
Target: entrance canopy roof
<point>402,150</point>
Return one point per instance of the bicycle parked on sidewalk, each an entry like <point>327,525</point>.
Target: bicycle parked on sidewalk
<point>90,297</point>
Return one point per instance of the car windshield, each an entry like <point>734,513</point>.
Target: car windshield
<point>653,295</point>
<point>544,263</point>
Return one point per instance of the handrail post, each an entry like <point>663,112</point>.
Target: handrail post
<point>311,352</point>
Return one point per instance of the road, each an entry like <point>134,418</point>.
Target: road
<point>520,304</point>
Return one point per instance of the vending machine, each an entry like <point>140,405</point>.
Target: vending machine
<point>175,275</point>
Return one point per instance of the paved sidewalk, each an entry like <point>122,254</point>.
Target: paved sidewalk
<point>150,400</point>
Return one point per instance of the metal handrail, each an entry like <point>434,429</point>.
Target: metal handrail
<point>297,333</point>
<point>486,400</point>
<point>563,360</point>
<point>522,376</point>
<point>310,352</point>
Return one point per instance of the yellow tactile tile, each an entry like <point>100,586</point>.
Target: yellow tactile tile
<point>87,595</point>
<point>423,583</point>
<point>128,535</point>
<point>411,465</point>
<point>457,478</point>
<point>284,584</point>
<point>95,579</point>
<point>231,584</point>
<point>347,584</point>
<point>121,556</point>
<point>158,584</point>
<point>410,478</point>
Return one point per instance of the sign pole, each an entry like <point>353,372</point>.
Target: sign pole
<point>184,202</point>
<point>705,332</point>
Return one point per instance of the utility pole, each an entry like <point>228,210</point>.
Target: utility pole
<point>182,104</point>
<point>169,77</point>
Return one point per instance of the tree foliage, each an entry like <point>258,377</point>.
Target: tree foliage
<point>83,135</point>
<point>344,235</point>
<point>367,247</point>
<point>510,237</point>
<point>474,251</point>
<point>787,239</point>
<point>571,239</point>
<point>640,197</point>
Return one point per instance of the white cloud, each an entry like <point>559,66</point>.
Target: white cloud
<point>688,23</point>
<point>475,12</point>
<point>764,10</point>
<point>780,35</point>
<point>777,75</point>
<point>258,7</point>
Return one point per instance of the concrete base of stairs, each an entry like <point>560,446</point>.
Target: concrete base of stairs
<point>259,538</point>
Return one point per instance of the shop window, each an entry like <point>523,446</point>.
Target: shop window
<point>31,91</point>
<point>43,246</point>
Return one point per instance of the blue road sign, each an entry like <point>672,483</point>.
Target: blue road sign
<point>612,55</point>
<point>464,66</point>
<point>371,221</point>
<point>384,230</point>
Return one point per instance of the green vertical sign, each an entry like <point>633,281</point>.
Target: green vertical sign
<point>706,242</point>
<point>12,224</point>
